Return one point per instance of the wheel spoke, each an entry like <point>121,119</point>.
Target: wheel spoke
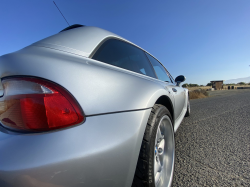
<point>155,167</point>
<point>158,135</point>
<point>157,177</point>
<point>163,162</point>
<point>161,146</point>
<point>157,170</point>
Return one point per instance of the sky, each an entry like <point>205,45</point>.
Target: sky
<point>203,40</point>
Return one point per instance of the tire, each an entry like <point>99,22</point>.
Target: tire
<point>152,170</point>
<point>188,109</point>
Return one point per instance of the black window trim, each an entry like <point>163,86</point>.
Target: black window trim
<point>99,45</point>
<point>171,77</point>
<point>151,65</point>
<point>168,74</point>
<point>110,38</point>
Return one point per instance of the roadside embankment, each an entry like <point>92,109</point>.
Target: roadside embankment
<point>198,94</point>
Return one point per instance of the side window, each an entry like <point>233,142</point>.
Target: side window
<point>124,55</point>
<point>159,69</point>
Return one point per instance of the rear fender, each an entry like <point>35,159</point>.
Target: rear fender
<point>98,87</point>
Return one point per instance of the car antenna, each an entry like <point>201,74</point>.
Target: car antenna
<point>61,13</point>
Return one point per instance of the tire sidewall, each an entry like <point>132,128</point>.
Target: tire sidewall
<point>188,109</point>
<point>159,113</point>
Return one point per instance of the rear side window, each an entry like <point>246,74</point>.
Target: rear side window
<point>159,69</point>
<point>124,55</point>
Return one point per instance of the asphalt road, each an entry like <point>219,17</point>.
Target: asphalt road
<point>213,144</point>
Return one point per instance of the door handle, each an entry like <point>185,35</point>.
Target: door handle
<point>174,90</point>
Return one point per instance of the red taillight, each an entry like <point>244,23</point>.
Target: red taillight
<point>37,105</point>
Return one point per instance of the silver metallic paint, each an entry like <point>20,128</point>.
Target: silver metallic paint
<point>91,82</point>
<point>81,41</point>
<point>103,151</point>
<point>164,159</point>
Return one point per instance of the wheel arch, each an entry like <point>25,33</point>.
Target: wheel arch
<point>165,101</point>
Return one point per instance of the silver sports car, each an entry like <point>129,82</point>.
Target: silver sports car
<point>86,107</point>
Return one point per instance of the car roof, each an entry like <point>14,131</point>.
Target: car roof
<point>81,40</point>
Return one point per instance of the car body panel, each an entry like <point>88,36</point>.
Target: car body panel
<point>102,151</point>
<point>92,83</point>
<point>179,97</point>
<point>88,157</point>
<point>81,41</point>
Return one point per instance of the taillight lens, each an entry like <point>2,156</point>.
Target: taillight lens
<point>37,105</point>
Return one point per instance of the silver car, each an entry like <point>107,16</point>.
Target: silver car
<point>86,107</point>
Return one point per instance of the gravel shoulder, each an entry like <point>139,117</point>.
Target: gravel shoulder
<point>213,144</point>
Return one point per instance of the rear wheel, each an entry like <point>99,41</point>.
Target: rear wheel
<point>155,164</point>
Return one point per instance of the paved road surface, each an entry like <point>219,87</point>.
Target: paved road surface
<point>213,144</point>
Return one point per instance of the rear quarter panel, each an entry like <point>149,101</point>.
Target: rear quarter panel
<point>98,87</point>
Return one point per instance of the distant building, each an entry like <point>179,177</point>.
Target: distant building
<point>217,85</point>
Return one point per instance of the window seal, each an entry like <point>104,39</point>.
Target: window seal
<point>168,74</point>
<point>151,65</point>
<point>93,53</point>
<point>116,38</point>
